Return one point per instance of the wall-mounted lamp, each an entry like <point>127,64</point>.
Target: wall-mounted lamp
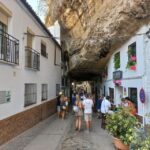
<point>148,33</point>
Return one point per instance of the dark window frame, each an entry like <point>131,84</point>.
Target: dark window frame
<point>32,59</point>
<point>117,60</point>
<point>9,46</point>
<point>133,97</point>
<point>44,50</point>
<point>132,55</point>
<point>30,94</point>
<point>44,92</point>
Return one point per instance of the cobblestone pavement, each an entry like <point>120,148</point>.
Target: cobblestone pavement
<point>57,134</point>
<point>97,139</point>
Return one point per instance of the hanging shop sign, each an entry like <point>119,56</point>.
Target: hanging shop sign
<point>117,75</point>
<point>142,95</point>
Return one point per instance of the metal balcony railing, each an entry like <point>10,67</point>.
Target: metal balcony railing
<point>32,59</point>
<point>9,48</point>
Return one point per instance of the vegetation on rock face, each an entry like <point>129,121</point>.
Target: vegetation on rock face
<point>121,125</point>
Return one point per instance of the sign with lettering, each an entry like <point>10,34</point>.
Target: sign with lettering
<point>117,75</point>
<point>142,95</point>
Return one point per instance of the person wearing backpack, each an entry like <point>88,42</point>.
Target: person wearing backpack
<point>78,113</point>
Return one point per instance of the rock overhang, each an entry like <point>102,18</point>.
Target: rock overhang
<point>93,30</point>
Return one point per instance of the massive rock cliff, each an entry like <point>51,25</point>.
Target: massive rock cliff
<point>93,29</point>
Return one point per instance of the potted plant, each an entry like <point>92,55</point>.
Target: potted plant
<point>121,125</point>
<point>141,140</point>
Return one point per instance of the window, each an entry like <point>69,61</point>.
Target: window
<point>4,97</point>
<point>111,93</point>
<point>57,89</point>
<point>30,37</point>
<point>30,94</point>
<point>62,81</point>
<point>132,56</point>
<point>117,60</point>
<point>9,46</point>
<point>44,92</point>
<point>32,59</point>
<point>133,95</point>
<point>3,27</point>
<point>3,21</point>
<point>43,50</point>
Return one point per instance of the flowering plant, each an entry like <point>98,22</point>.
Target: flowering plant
<point>131,59</point>
<point>141,140</point>
<point>121,125</point>
<point>117,82</point>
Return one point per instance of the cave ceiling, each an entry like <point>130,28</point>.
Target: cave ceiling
<point>91,30</point>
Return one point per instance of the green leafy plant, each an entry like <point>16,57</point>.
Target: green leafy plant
<point>121,125</point>
<point>117,60</point>
<point>141,140</point>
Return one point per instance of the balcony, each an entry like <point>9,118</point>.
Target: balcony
<point>32,59</point>
<point>9,48</point>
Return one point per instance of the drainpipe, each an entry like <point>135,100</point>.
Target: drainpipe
<point>145,41</point>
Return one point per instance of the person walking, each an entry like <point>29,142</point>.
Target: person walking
<point>79,113</point>
<point>105,107</point>
<point>98,106</point>
<point>63,106</point>
<point>87,105</point>
<point>58,105</point>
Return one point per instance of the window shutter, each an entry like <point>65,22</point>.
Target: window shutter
<point>29,39</point>
<point>3,18</point>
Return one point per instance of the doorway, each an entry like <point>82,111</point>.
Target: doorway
<point>133,95</point>
<point>118,94</point>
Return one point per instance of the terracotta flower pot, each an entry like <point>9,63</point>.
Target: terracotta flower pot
<point>119,144</point>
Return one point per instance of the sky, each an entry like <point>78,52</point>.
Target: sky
<point>34,4</point>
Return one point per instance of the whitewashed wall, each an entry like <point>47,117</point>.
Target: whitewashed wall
<point>132,79</point>
<point>13,78</point>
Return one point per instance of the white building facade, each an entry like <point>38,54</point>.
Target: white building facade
<point>128,72</point>
<point>30,61</point>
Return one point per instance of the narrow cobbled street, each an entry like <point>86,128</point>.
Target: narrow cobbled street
<point>57,134</point>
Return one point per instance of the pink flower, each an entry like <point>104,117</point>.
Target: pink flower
<point>133,58</point>
<point>133,67</point>
<point>117,82</point>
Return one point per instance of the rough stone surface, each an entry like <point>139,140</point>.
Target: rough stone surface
<point>96,139</point>
<point>93,29</point>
